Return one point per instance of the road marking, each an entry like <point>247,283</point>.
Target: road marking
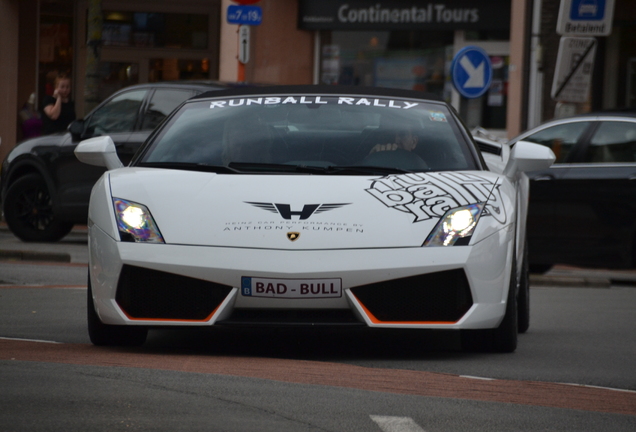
<point>29,340</point>
<point>395,381</point>
<point>476,378</point>
<point>600,387</point>
<point>396,424</point>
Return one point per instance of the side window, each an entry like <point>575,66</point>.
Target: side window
<point>118,115</point>
<point>614,141</point>
<point>560,138</point>
<point>163,102</point>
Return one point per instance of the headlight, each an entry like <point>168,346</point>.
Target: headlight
<point>135,223</point>
<point>456,224</point>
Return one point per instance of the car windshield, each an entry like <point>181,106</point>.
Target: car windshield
<point>311,134</point>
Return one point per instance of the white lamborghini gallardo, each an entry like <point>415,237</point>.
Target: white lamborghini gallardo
<point>311,205</point>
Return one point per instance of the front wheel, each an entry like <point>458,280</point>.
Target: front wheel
<point>503,338</point>
<point>111,335</point>
<point>523,298</point>
<point>28,210</point>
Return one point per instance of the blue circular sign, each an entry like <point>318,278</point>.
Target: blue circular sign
<point>471,72</point>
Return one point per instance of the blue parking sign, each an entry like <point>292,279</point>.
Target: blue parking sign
<point>471,72</point>
<point>588,10</point>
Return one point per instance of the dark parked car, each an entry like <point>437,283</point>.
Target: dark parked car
<point>583,208</point>
<point>44,188</point>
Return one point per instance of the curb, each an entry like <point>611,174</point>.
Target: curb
<point>35,256</point>
<point>570,281</point>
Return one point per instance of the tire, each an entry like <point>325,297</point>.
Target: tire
<point>502,339</point>
<point>28,211</point>
<point>111,335</point>
<point>540,268</point>
<point>523,297</point>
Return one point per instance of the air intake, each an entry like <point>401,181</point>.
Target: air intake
<point>442,297</point>
<point>150,294</point>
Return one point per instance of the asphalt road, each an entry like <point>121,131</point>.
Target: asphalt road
<point>582,333</point>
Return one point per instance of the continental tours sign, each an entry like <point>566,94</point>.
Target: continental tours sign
<point>404,15</point>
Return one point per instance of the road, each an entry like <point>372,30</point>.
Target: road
<point>582,333</point>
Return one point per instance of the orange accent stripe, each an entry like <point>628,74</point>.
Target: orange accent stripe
<point>377,321</point>
<point>170,319</point>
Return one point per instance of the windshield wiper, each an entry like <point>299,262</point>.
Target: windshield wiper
<point>364,169</point>
<point>312,169</point>
<point>190,166</point>
<point>273,167</point>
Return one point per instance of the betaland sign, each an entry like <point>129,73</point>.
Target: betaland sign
<point>404,15</point>
<point>585,17</point>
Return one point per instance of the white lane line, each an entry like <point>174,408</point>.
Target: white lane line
<point>396,424</point>
<point>30,340</point>
<point>600,387</point>
<point>476,378</point>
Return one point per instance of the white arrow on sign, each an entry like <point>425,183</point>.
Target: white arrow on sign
<point>476,77</point>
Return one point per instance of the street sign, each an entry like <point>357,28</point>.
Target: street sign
<point>244,15</point>
<point>471,72</point>
<point>244,44</point>
<point>573,74</point>
<point>585,17</point>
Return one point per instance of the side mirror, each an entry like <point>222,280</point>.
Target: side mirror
<point>98,151</point>
<point>76,128</point>
<point>526,156</point>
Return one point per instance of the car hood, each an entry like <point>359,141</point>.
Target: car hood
<point>298,211</point>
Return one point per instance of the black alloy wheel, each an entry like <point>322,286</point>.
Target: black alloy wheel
<point>28,211</point>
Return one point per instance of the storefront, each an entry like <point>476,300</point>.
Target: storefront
<point>409,44</point>
<point>142,41</point>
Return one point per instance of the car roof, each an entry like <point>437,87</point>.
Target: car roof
<point>194,85</point>
<point>321,89</point>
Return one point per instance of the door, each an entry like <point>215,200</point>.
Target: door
<point>545,235</point>
<point>597,212</point>
<point>116,118</point>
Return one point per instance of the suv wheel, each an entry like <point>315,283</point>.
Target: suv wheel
<point>28,210</point>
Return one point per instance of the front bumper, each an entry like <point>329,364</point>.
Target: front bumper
<point>463,287</point>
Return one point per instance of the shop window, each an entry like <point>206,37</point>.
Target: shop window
<point>114,76</point>
<point>155,30</point>
<point>170,69</point>
<point>489,110</point>
<point>397,59</point>
<point>55,54</point>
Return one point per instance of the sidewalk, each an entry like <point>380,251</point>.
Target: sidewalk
<point>73,248</point>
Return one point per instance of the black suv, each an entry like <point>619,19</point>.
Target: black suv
<point>44,188</point>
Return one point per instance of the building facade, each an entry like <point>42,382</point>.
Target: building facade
<point>398,43</point>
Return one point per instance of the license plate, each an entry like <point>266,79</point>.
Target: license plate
<point>291,288</point>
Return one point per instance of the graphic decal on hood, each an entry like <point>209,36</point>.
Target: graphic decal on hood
<point>286,212</point>
<point>431,195</point>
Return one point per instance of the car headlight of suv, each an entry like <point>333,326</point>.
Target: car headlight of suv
<point>135,223</point>
<point>456,226</point>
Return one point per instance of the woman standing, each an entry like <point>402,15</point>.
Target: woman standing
<point>59,109</point>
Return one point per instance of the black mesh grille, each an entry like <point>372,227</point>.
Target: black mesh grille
<point>443,296</point>
<point>145,293</point>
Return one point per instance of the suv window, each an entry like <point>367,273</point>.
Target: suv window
<point>163,102</point>
<point>118,115</point>
<point>614,141</point>
<point>560,138</point>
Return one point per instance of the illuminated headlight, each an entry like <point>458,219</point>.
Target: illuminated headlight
<point>135,223</point>
<point>456,224</point>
